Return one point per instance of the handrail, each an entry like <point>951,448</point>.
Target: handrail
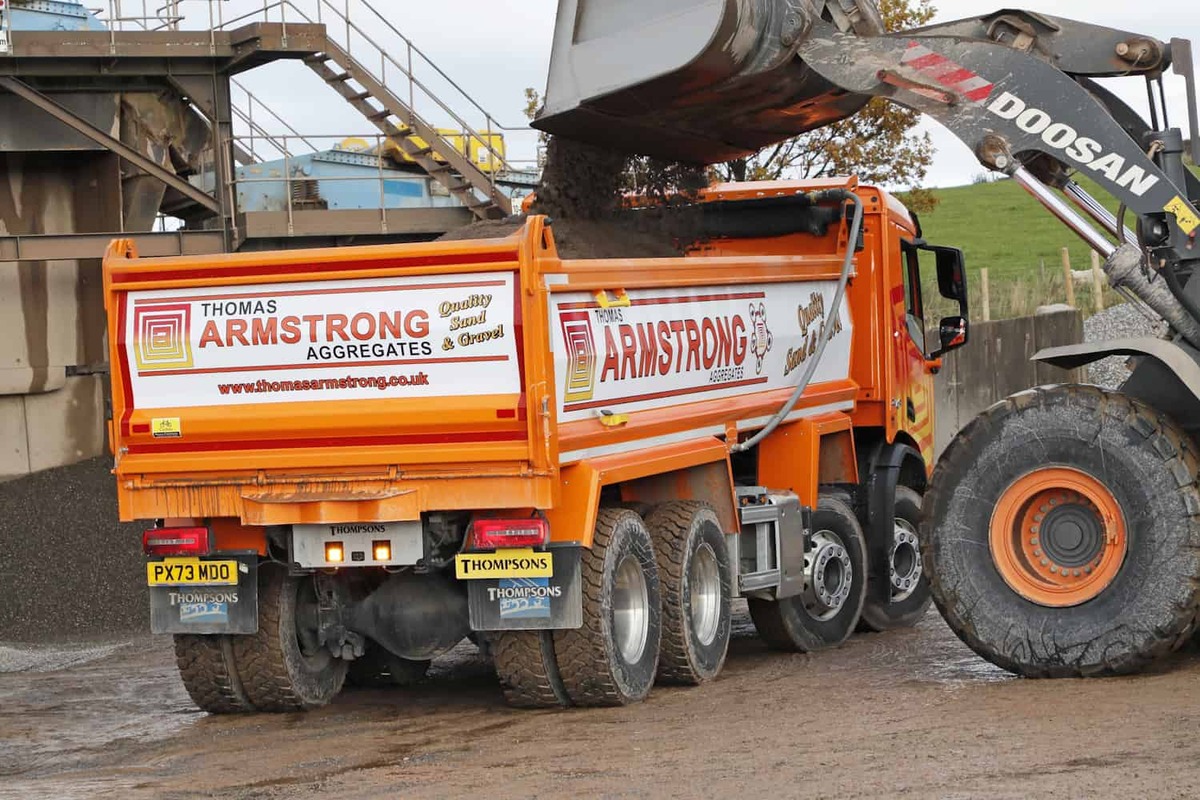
<point>289,178</point>
<point>343,30</point>
<point>351,26</point>
<point>247,116</point>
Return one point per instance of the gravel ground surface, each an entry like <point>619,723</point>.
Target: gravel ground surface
<point>1119,322</point>
<point>68,568</point>
<point>906,714</point>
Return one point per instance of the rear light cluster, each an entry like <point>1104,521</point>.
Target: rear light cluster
<point>335,552</point>
<point>494,534</point>
<point>177,542</point>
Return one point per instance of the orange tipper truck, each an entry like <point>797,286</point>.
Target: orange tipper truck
<point>355,458</point>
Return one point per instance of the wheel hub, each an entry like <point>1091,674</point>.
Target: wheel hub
<point>905,561</point>
<point>631,610</point>
<point>828,576</point>
<point>1058,537</point>
<point>1072,534</point>
<point>705,594</point>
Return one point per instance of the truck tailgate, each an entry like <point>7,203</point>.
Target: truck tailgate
<point>323,363</point>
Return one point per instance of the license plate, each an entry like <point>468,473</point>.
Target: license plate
<point>524,563</point>
<point>191,572</point>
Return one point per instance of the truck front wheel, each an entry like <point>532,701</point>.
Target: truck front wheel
<point>283,667</point>
<point>908,588</point>
<point>1062,534</point>
<point>611,660</point>
<point>825,614</point>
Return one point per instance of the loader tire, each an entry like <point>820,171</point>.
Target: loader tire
<point>206,667</point>
<point>1061,534</point>
<point>377,669</point>
<point>693,570</point>
<point>612,658</point>
<point>903,574</point>
<point>279,671</point>
<point>528,670</point>
<point>826,613</point>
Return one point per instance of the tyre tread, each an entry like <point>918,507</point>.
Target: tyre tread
<point>527,668</point>
<point>207,670</point>
<point>1164,438</point>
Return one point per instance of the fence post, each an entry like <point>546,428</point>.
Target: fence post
<point>1098,281</point>
<point>985,295</point>
<point>1066,260</point>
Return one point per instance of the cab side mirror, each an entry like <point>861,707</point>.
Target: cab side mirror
<point>952,275</point>
<point>952,334</point>
<point>953,331</point>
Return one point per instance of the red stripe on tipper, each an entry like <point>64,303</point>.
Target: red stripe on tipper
<point>945,72</point>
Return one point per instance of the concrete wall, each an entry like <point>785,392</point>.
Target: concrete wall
<point>51,312</point>
<point>995,363</point>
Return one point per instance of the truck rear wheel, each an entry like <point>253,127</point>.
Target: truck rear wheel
<point>825,614</point>
<point>207,669</point>
<point>612,659</point>
<point>693,569</point>
<point>379,668</point>
<point>909,590</point>
<point>283,667</point>
<point>527,668</point>
<point>1062,534</point>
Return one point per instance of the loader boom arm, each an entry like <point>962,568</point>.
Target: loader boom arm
<point>1015,110</point>
<point>1016,86</point>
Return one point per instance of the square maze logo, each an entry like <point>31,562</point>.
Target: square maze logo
<point>581,356</point>
<point>162,336</point>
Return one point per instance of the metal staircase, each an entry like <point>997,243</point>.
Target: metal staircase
<point>415,137</point>
<point>354,31</point>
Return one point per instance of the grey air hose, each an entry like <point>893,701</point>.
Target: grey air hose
<point>835,310</point>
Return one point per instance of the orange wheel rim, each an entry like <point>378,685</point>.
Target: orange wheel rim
<point>1058,537</point>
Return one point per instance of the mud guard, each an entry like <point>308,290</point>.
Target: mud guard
<point>1167,377</point>
<point>879,494</point>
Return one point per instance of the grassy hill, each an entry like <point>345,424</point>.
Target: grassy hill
<point>1001,227</point>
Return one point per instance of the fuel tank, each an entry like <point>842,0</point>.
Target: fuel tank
<point>701,81</point>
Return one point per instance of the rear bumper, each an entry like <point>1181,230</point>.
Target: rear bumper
<point>292,499</point>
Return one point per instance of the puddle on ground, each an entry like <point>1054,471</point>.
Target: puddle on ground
<point>48,658</point>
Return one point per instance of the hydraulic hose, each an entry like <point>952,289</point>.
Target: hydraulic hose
<point>829,326</point>
<point>1185,300</point>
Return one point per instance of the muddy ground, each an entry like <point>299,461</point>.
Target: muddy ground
<point>907,714</point>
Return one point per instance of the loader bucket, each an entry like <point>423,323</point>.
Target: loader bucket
<point>700,81</point>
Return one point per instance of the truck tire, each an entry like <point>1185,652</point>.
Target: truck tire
<point>825,614</point>
<point>904,574</point>
<point>1062,534</point>
<point>612,658</point>
<point>278,671</point>
<point>528,670</point>
<point>207,669</point>
<point>693,570</point>
<point>378,668</point>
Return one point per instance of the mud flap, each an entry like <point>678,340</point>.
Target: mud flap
<point>513,604</point>
<point>209,609</point>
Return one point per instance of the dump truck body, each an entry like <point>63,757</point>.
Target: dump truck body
<point>436,438</point>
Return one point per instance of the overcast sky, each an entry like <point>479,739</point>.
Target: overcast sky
<point>495,49</point>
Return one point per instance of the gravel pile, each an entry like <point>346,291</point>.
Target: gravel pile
<point>68,569</point>
<point>1119,322</point>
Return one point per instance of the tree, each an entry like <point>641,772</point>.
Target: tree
<point>878,144</point>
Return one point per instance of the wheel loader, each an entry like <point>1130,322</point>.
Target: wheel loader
<point>1061,528</point>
